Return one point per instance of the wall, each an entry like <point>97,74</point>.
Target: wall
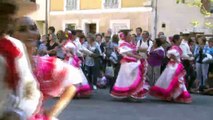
<point>56,5</point>
<point>94,4</point>
<point>132,3</point>
<point>177,17</point>
<point>40,13</point>
<point>137,19</point>
<point>41,27</point>
<point>39,16</point>
<point>92,12</point>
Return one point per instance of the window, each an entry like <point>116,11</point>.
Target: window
<point>147,3</point>
<point>211,7</point>
<point>33,1</point>
<point>117,25</point>
<point>70,26</point>
<point>111,4</point>
<point>71,4</point>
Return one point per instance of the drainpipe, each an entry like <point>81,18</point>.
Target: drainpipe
<point>156,18</point>
<point>46,17</point>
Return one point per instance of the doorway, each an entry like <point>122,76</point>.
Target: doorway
<point>90,28</point>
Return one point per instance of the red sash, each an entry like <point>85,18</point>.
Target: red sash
<point>10,52</point>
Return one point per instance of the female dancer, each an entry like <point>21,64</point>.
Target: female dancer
<point>19,92</point>
<point>55,76</point>
<point>83,89</point>
<point>171,84</point>
<point>130,82</point>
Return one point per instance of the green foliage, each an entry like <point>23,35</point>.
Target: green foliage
<point>196,3</point>
<point>203,11</point>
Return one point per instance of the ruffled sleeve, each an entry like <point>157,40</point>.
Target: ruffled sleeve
<point>28,90</point>
<point>4,91</point>
<point>125,48</point>
<point>174,51</point>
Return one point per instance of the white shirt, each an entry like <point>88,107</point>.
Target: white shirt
<point>78,47</point>
<point>144,45</point>
<point>186,50</point>
<point>89,61</point>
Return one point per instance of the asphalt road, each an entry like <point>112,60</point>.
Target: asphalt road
<point>101,106</point>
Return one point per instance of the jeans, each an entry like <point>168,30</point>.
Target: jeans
<point>202,73</point>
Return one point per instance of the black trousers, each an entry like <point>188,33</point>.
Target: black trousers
<point>164,64</point>
<point>91,73</point>
<point>211,68</point>
<point>112,80</point>
<point>190,73</point>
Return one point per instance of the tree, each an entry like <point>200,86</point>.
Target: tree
<point>204,9</point>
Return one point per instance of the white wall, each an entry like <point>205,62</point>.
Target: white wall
<point>39,15</point>
<point>41,27</point>
<point>177,17</point>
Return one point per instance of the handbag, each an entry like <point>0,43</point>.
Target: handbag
<point>13,112</point>
<point>109,72</point>
<point>114,58</point>
<point>208,59</point>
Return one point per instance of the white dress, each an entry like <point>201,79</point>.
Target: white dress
<point>83,89</point>
<point>171,84</point>
<point>27,102</point>
<point>54,75</point>
<point>130,81</point>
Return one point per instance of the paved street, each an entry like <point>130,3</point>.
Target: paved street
<point>102,107</point>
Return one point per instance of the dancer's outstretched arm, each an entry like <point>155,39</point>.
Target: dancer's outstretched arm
<point>65,98</point>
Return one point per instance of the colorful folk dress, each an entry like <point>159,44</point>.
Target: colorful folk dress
<point>130,82</point>
<point>83,89</point>
<point>171,84</point>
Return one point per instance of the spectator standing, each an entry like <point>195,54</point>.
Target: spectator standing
<point>52,45</point>
<point>139,34</point>
<point>134,40</point>
<point>61,42</point>
<point>92,51</point>
<point>51,30</point>
<point>42,49</point>
<point>109,33</point>
<point>187,58</point>
<point>201,51</point>
<point>144,45</point>
<point>160,33</point>
<point>166,45</point>
<point>155,59</point>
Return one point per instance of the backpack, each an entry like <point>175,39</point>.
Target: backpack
<point>147,42</point>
